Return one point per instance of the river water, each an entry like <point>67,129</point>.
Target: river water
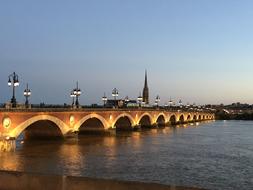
<point>212,155</point>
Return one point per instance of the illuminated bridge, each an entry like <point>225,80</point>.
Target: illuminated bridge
<point>45,122</point>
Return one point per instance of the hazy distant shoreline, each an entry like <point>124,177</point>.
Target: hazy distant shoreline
<point>225,116</point>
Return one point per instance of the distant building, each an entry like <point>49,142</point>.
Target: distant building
<point>145,94</point>
<point>121,103</point>
<point>113,103</point>
<point>126,103</point>
<point>131,103</point>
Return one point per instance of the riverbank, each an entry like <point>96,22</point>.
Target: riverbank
<point>12,180</point>
<point>227,116</point>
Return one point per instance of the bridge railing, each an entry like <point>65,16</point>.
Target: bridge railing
<point>100,109</point>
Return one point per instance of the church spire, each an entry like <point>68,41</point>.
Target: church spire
<point>146,80</point>
<point>145,94</point>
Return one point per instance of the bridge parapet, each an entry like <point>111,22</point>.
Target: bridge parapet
<point>98,109</point>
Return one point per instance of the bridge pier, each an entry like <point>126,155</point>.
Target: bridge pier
<point>112,131</point>
<point>72,134</point>
<point>168,124</point>
<point>136,127</point>
<point>7,144</point>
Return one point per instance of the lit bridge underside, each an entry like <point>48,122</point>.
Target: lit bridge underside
<point>62,122</point>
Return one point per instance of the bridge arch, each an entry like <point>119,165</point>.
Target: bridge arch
<point>181,118</point>
<point>161,114</point>
<point>173,119</point>
<point>91,116</point>
<point>125,116</point>
<point>195,118</point>
<point>59,123</point>
<point>145,120</point>
<point>188,117</point>
<point>161,120</point>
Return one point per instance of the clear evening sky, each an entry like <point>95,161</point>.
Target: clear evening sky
<point>195,50</point>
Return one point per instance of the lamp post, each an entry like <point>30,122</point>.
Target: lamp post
<point>188,105</point>
<point>72,95</point>
<point>157,100</point>
<point>194,106</point>
<point>170,103</point>
<point>13,81</point>
<point>180,103</point>
<point>77,92</point>
<point>166,105</point>
<point>115,94</point>
<point>126,101</point>
<point>139,100</point>
<point>104,99</point>
<point>27,94</point>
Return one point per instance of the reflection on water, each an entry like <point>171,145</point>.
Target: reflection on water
<point>216,155</point>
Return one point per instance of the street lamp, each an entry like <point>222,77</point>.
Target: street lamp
<point>104,99</point>
<point>157,100</point>
<point>139,100</point>
<point>166,105</point>
<point>194,106</point>
<point>115,94</point>
<point>27,94</point>
<point>126,99</point>
<point>170,103</point>
<point>72,95</point>
<point>13,81</point>
<point>180,103</point>
<point>77,92</point>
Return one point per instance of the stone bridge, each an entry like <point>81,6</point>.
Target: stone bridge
<point>67,121</point>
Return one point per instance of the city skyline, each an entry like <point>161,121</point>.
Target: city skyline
<point>193,50</point>
<point>175,101</point>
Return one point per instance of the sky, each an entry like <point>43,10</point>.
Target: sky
<point>196,50</point>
